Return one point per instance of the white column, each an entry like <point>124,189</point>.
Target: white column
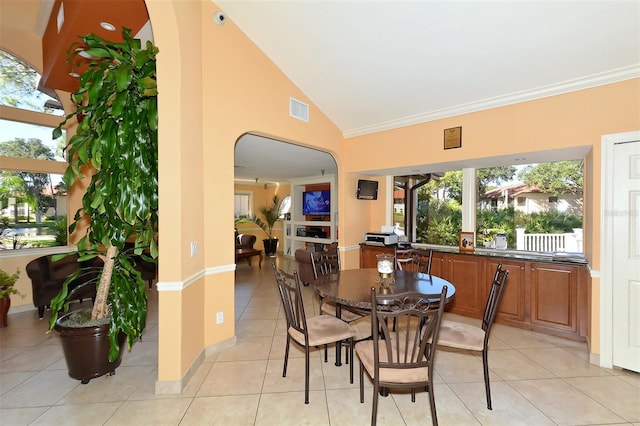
<point>469,200</point>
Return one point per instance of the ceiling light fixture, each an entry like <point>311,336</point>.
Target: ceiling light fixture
<point>107,26</point>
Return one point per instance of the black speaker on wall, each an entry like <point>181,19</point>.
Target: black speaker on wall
<point>367,190</point>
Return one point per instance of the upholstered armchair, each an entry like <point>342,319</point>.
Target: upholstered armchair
<point>47,278</point>
<point>245,241</point>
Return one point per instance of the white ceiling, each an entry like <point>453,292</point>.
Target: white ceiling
<point>378,65</point>
<point>375,65</point>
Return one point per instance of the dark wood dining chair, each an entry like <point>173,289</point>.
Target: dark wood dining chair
<point>414,261</point>
<point>402,356</point>
<point>469,337</point>
<point>311,332</point>
<point>324,263</point>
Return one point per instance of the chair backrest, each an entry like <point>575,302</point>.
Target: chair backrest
<point>325,262</point>
<point>404,260</point>
<point>408,325</point>
<point>414,261</point>
<point>495,295</point>
<point>291,297</point>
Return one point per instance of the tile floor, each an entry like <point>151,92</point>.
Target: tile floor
<point>536,379</point>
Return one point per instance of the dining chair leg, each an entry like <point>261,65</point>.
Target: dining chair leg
<point>485,365</point>
<point>351,363</point>
<point>326,356</point>
<point>374,410</point>
<point>432,406</point>
<point>361,384</point>
<point>306,375</point>
<point>286,358</point>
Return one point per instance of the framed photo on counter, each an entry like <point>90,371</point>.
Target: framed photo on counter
<point>466,241</point>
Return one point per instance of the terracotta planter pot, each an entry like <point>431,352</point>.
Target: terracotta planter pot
<point>86,350</point>
<point>5,304</point>
<point>270,246</point>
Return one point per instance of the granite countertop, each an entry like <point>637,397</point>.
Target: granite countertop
<point>558,257</point>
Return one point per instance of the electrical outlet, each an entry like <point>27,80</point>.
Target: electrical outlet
<point>219,318</point>
<point>194,248</point>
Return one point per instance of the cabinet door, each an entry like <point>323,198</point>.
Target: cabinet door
<point>554,297</point>
<point>368,255</point>
<point>512,305</point>
<point>465,273</point>
<point>438,265</point>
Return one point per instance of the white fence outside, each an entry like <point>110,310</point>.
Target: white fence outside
<point>568,242</point>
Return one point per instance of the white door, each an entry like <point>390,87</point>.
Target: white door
<point>626,256</point>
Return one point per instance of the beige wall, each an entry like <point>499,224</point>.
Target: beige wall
<point>215,85</point>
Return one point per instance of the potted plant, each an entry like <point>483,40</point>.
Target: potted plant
<point>270,215</point>
<point>7,288</point>
<point>116,148</point>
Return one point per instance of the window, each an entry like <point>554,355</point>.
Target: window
<point>431,206</point>
<point>538,206</point>
<point>535,205</point>
<point>33,202</point>
<point>243,206</point>
<point>285,206</point>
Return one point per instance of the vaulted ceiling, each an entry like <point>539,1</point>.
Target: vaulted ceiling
<point>376,65</point>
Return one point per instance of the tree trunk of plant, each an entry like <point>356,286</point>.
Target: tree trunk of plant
<point>100,309</point>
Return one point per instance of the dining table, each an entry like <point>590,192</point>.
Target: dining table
<point>351,288</point>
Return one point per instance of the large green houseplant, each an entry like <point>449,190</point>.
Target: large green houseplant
<point>116,148</point>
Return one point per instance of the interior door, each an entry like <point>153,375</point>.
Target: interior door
<point>626,256</point>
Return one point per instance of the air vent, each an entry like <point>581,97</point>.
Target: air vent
<point>298,110</point>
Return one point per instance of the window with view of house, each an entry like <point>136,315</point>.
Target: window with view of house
<point>537,206</point>
<point>33,198</point>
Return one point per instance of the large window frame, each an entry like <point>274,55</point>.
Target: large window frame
<point>470,206</point>
<point>39,110</point>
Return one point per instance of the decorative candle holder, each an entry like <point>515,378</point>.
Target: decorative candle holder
<point>385,269</point>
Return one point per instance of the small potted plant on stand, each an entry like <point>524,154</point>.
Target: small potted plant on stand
<point>270,215</point>
<point>7,288</point>
<point>116,143</point>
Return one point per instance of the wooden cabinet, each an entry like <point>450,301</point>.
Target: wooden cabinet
<point>548,297</point>
<point>465,273</point>
<point>512,306</point>
<point>368,254</point>
<point>554,296</point>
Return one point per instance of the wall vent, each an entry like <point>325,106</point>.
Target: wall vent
<point>298,110</point>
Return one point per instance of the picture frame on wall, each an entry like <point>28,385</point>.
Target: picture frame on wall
<point>466,241</point>
<point>453,137</point>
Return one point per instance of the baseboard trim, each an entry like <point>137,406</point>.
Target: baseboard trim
<point>164,387</point>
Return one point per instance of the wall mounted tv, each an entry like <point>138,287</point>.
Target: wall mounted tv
<point>367,190</point>
<point>316,203</point>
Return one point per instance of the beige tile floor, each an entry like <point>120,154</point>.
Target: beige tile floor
<point>536,379</point>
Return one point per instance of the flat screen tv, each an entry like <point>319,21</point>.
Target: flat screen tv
<point>316,203</point>
<point>367,190</point>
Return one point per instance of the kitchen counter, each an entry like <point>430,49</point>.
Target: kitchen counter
<point>545,292</point>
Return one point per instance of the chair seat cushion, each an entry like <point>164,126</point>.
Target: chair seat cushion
<point>324,329</point>
<point>364,350</point>
<point>461,336</point>
<point>345,314</point>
